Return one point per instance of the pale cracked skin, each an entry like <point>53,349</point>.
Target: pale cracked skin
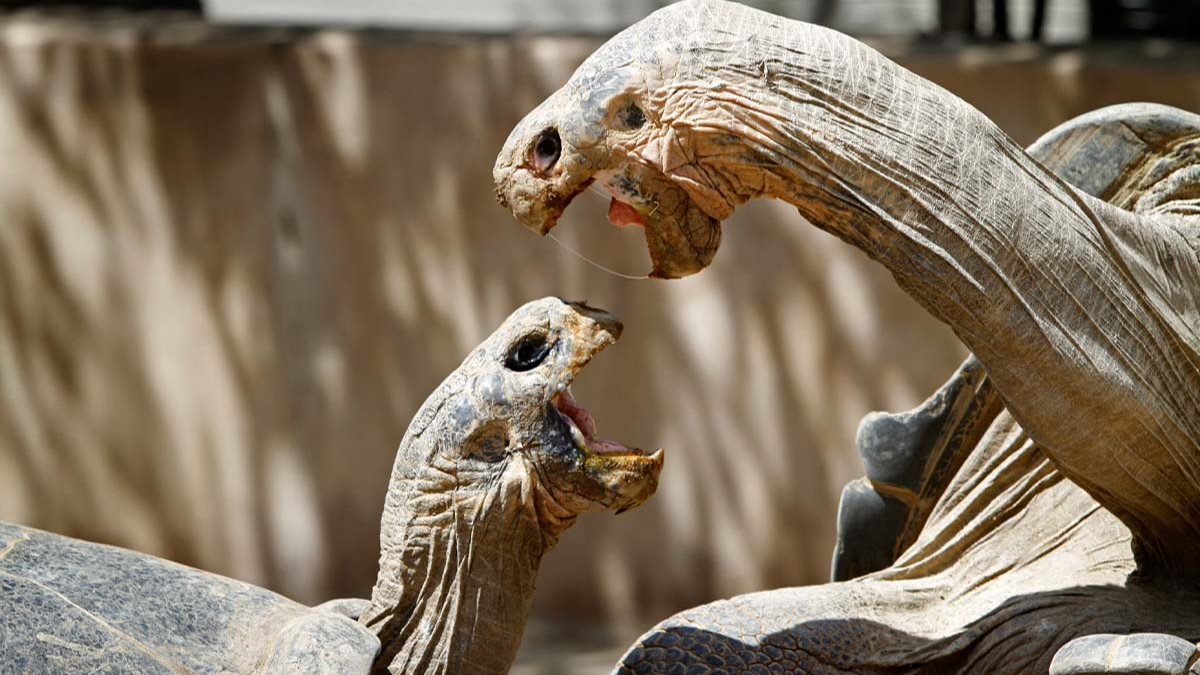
<point>1086,315</point>
<point>487,478</point>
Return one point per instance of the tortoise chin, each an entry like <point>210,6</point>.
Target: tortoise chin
<point>681,245</point>
<point>622,479</point>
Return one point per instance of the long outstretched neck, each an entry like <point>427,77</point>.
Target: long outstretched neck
<point>456,571</point>
<point>1053,290</point>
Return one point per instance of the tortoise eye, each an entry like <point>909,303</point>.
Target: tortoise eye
<point>528,353</point>
<point>631,117</point>
<point>546,150</point>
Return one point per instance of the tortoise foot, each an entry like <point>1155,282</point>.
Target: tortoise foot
<point>1136,654</point>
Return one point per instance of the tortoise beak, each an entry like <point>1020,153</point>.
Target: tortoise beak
<point>604,322</point>
<point>605,474</point>
<point>596,473</point>
<point>535,189</point>
<point>620,480</point>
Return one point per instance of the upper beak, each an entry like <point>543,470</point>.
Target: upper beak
<point>604,321</point>
<point>537,198</point>
<point>592,331</point>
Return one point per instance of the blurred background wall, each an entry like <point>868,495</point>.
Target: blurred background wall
<point>235,260</point>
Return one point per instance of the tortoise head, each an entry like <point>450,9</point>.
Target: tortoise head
<point>508,435</point>
<point>496,464</point>
<point>614,124</point>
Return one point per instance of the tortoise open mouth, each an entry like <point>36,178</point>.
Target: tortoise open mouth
<point>624,209</point>
<point>586,472</point>
<point>681,237</point>
<point>583,428</point>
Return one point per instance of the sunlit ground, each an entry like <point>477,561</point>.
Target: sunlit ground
<point>553,648</point>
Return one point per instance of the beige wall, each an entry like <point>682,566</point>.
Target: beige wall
<point>232,266</point>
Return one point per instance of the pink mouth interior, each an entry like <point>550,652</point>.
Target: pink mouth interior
<point>570,408</point>
<point>624,215</point>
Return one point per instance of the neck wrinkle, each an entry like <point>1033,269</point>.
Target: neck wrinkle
<point>552,516</point>
<point>454,588</point>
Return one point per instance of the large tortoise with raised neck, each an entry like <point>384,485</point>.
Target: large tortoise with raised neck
<point>1052,490</point>
<point>496,464</point>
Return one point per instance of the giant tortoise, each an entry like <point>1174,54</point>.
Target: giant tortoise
<point>496,464</point>
<point>1051,491</point>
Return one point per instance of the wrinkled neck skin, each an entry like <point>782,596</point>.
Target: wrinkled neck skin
<point>457,568</point>
<point>1056,292</point>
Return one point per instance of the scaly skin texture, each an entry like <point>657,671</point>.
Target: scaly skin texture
<point>1014,562</point>
<point>485,481</point>
<point>1087,316</point>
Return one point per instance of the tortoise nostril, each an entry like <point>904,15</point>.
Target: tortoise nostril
<point>546,150</point>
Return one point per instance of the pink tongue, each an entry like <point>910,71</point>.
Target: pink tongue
<point>571,408</point>
<point>568,406</point>
<point>623,215</point>
<point>602,446</point>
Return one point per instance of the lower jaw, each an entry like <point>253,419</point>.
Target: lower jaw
<point>600,463</point>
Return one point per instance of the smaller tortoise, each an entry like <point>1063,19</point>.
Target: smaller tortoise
<point>495,465</point>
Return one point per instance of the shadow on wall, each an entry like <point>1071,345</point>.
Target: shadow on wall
<point>234,263</point>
